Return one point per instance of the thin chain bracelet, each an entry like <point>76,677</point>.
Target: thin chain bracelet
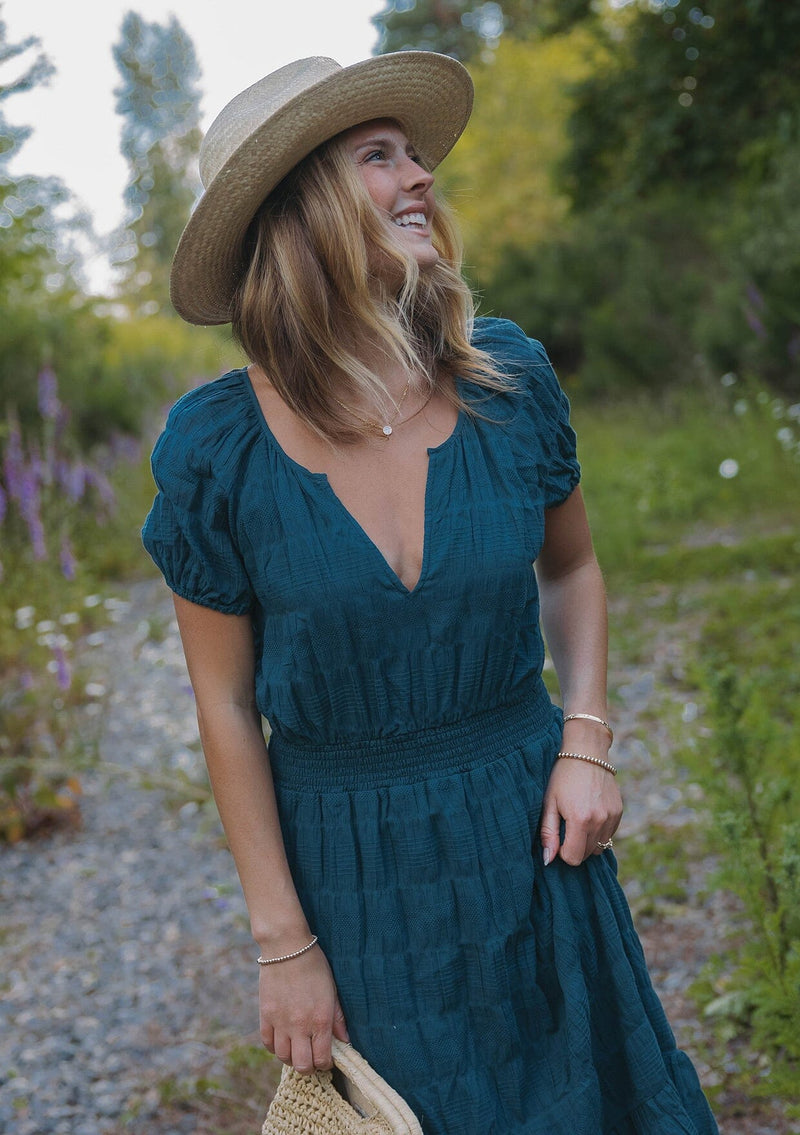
<point>591,717</point>
<point>287,957</point>
<point>592,760</point>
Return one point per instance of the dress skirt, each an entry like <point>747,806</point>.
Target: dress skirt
<point>497,995</point>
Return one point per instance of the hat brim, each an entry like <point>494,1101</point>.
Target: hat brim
<point>428,95</point>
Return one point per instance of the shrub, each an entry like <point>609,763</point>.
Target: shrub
<point>48,490</point>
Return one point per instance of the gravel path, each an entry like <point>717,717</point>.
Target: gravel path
<point>125,955</point>
<point>126,945</point>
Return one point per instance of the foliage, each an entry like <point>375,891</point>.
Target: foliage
<point>749,772</point>
<point>160,105</point>
<point>628,189</point>
<point>513,150</point>
<point>36,258</point>
<point>48,490</point>
<point>759,249</point>
<point>465,29</point>
<point>691,95</point>
<point>671,477</point>
<point>470,30</point>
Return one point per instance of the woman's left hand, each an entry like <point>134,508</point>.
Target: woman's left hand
<point>587,799</point>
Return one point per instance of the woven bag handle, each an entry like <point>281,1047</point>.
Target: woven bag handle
<point>367,1087</point>
<point>313,1105</point>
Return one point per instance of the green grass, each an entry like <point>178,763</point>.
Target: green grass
<point>658,503</point>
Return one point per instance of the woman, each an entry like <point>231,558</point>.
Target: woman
<point>349,526</point>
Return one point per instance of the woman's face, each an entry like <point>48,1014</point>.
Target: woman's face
<point>398,185</point>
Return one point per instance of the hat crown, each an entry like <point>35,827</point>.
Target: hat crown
<point>248,110</point>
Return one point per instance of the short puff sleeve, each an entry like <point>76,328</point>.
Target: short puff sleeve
<point>542,436</point>
<point>188,531</point>
<point>563,471</point>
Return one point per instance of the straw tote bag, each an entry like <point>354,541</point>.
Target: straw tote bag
<point>350,1100</point>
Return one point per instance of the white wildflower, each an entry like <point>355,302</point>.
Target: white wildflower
<point>23,617</point>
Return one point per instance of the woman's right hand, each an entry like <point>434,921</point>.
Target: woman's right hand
<point>299,1010</point>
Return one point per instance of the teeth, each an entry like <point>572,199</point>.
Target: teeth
<point>411,219</point>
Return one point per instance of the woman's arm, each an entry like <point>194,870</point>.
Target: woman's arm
<point>298,1004</point>
<point>573,604</point>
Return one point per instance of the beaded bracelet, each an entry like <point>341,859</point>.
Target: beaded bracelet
<point>592,760</point>
<point>287,957</point>
<point>591,717</point>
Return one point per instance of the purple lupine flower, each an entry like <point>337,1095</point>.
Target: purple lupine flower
<point>63,674</point>
<point>26,681</point>
<point>66,558</point>
<point>36,533</point>
<point>124,447</point>
<point>3,504</point>
<point>754,323</point>
<point>29,505</point>
<point>72,478</point>
<point>102,486</point>
<point>14,460</point>
<point>49,404</point>
<point>755,297</point>
<point>38,465</point>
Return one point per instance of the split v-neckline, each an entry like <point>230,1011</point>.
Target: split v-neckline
<point>322,480</point>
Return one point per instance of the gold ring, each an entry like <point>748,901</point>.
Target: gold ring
<point>605,846</point>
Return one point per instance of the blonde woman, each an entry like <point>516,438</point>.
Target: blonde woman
<point>363,529</point>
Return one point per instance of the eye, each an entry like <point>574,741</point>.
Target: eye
<point>378,155</point>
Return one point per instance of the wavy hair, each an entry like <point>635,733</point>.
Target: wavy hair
<point>310,295</point>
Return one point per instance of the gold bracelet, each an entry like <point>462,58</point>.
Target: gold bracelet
<point>591,717</point>
<point>592,760</point>
<point>287,957</point>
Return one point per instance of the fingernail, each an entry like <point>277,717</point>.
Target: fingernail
<point>546,856</point>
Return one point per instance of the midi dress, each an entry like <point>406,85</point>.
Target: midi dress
<point>411,740</point>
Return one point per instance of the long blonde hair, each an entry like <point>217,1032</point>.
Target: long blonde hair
<point>309,297</point>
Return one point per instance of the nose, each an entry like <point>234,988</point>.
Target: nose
<point>415,176</point>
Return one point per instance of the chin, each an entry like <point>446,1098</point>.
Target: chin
<point>427,259</point>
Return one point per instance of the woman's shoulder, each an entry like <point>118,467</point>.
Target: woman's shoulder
<point>508,344</point>
<point>524,361</point>
<point>213,421</point>
<point>210,404</point>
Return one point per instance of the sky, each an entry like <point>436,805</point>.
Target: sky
<point>75,128</point>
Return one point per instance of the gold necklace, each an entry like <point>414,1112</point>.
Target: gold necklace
<point>386,428</point>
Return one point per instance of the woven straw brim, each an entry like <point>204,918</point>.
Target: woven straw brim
<point>428,95</point>
<point>311,1105</point>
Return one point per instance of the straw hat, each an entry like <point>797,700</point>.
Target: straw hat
<point>268,128</point>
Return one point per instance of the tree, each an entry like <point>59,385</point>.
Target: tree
<point>40,301</point>
<point>701,95</point>
<point>159,101</point>
<point>466,29</point>
<point>503,176</point>
<point>26,244</point>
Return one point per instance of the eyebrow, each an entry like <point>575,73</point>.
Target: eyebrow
<point>385,142</point>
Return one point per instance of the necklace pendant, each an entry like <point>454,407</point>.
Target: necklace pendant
<point>387,431</point>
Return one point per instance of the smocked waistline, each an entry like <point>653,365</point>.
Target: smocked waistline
<point>473,740</point>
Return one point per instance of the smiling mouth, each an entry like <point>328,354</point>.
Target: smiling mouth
<point>411,220</point>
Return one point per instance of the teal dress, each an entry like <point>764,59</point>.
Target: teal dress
<point>412,740</point>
